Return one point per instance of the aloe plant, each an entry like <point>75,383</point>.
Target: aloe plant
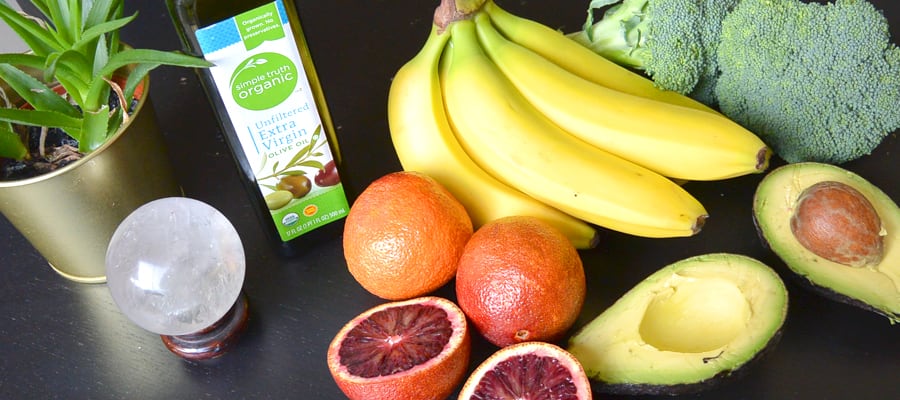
<point>76,45</point>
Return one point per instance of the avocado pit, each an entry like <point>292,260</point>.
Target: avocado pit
<point>836,222</point>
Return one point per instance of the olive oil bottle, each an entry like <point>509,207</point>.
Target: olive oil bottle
<point>269,102</point>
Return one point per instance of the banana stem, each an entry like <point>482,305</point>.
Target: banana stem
<point>455,10</point>
<point>469,6</point>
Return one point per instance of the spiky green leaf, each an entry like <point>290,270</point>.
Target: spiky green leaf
<point>35,92</point>
<point>51,119</point>
<point>135,77</point>
<point>149,56</point>
<point>39,40</point>
<point>10,144</point>
<point>72,60</point>
<point>94,129</point>
<point>100,11</point>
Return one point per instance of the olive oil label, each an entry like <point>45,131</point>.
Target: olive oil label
<point>261,79</point>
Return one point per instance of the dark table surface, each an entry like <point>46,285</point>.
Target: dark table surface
<point>60,339</point>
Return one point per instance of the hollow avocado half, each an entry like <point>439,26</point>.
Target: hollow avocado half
<point>872,287</point>
<point>687,327</point>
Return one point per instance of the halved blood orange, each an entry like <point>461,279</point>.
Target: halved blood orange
<point>528,370</point>
<point>412,349</point>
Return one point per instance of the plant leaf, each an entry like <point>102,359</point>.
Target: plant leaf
<point>38,39</point>
<point>100,11</point>
<point>59,19</point>
<point>98,93</point>
<point>11,145</point>
<point>112,38</point>
<point>73,88</point>
<point>135,78</point>
<point>25,59</point>
<point>116,118</point>
<point>94,128</point>
<point>149,56</point>
<point>35,92</point>
<point>101,58</point>
<point>99,30</point>
<point>63,72</point>
<point>75,20</point>
<point>41,5</point>
<point>73,61</point>
<point>294,172</point>
<point>146,60</point>
<point>51,119</point>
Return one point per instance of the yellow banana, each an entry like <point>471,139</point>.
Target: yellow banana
<point>672,140</point>
<point>424,142</point>
<point>579,60</point>
<point>511,140</point>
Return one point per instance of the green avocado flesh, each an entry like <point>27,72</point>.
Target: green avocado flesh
<point>698,319</point>
<point>873,287</point>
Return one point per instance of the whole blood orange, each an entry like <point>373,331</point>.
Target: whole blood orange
<point>528,370</point>
<point>403,236</point>
<point>519,279</point>
<point>413,349</point>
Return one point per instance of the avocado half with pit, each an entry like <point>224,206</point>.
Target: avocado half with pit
<point>685,328</point>
<point>836,231</point>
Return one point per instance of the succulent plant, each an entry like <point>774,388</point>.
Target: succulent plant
<point>75,43</point>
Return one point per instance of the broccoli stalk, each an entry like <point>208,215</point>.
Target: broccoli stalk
<point>620,33</point>
<point>817,82</point>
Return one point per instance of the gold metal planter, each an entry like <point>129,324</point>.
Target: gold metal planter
<point>69,215</point>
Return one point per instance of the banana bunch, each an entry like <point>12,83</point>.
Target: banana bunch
<point>514,118</point>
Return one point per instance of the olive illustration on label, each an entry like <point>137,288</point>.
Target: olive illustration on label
<point>328,176</point>
<point>278,199</point>
<point>297,185</point>
<point>293,176</point>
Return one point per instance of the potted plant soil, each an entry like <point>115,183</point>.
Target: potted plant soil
<point>79,145</point>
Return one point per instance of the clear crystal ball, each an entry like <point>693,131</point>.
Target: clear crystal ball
<point>175,266</point>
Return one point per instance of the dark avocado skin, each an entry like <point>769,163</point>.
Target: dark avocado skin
<point>835,296</point>
<point>822,290</point>
<point>721,378</point>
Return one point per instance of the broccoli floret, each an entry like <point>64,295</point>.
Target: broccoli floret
<point>816,82</point>
<point>672,41</point>
<point>713,12</point>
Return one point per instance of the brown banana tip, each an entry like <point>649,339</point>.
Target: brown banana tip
<point>595,240</point>
<point>762,158</point>
<point>698,224</point>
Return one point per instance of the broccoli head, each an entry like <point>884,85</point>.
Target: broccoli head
<point>816,82</point>
<point>713,12</point>
<point>672,41</point>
